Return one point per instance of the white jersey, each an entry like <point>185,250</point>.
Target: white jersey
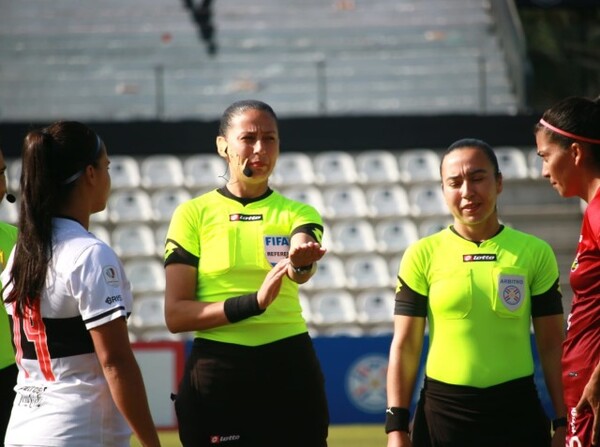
<point>62,397</point>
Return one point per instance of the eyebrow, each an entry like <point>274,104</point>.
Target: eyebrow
<point>469,173</point>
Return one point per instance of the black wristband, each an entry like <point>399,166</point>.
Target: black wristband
<point>396,419</point>
<point>559,422</point>
<point>241,307</point>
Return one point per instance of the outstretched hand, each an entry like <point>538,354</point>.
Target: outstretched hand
<point>306,254</point>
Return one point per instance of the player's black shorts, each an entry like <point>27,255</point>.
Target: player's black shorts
<point>265,396</point>
<point>508,414</point>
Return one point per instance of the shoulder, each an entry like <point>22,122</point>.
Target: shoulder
<point>8,232</point>
<point>285,203</point>
<point>522,240</point>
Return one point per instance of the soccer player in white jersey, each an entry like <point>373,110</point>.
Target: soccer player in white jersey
<point>68,299</point>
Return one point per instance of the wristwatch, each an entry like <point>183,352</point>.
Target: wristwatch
<point>302,269</point>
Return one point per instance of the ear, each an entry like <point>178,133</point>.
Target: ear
<point>222,146</point>
<point>499,183</point>
<point>577,153</point>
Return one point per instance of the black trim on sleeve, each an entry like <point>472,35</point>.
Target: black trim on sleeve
<point>548,303</point>
<point>314,230</point>
<point>409,302</point>
<point>181,256</point>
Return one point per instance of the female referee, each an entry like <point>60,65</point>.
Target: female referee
<point>234,258</point>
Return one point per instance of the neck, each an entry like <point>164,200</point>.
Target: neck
<point>247,190</point>
<point>479,232</point>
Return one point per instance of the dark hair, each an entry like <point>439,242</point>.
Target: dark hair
<point>576,115</point>
<point>478,144</point>
<point>52,160</point>
<point>240,107</point>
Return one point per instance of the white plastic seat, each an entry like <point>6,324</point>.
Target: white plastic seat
<point>306,194</point>
<point>148,312</point>
<point>164,202</point>
<point>394,267</point>
<point>305,304</point>
<point>433,225</point>
<point>154,335</point>
<point>427,200</point>
<point>534,162</point>
<point>204,171</point>
<point>130,206</point>
<point>101,232</point>
<point>394,236</point>
<point>375,306</point>
<point>101,217</point>
<point>160,237</point>
<point>293,168</point>
<point>376,167</point>
<point>419,165</point>
<point>161,171</point>
<point>512,162</point>
<point>13,173</point>
<point>353,237</point>
<point>367,271</point>
<point>387,201</point>
<point>9,212</point>
<point>124,172</point>
<point>345,330</point>
<point>330,274</point>
<point>334,168</point>
<point>130,240</point>
<point>333,307</point>
<point>145,274</point>
<point>344,202</point>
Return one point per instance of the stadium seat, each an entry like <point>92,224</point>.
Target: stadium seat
<point>204,171</point>
<point>433,225</point>
<point>13,170</point>
<point>534,162</point>
<point>367,271</point>
<point>427,200</point>
<point>148,312</point>
<point>387,201</point>
<point>124,172</point>
<point>100,232</point>
<point>345,202</point>
<point>512,162</point>
<point>130,206</point>
<point>419,165</point>
<point>101,217</point>
<point>293,168</point>
<point>330,274</point>
<point>334,168</point>
<point>164,201</point>
<point>376,167</point>
<point>345,330</point>
<point>132,240</point>
<point>393,267</point>
<point>353,237</point>
<point>9,212</point>
<point>161,171</point>
<point>394,236</point>
<point>375,306</point>
<point>145,275</point>
<point>306,194</point>
<point>333,307</point>
<point>160,236</point>
<point>305,304</point>
<point>154,335</point>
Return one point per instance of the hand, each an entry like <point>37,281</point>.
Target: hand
<point>559,437</point>
<point>399,439</point>
<point>271,285</point>
<point>590,399</point>
<point>306,254</point>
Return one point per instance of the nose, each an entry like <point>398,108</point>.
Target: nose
<point>466,189</point>
<point>545,171</point>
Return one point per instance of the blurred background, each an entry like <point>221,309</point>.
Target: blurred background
<point>368,92</point>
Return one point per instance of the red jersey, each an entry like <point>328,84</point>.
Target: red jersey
<point>581,349</point>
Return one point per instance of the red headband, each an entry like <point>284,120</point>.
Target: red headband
<point>568,134</point>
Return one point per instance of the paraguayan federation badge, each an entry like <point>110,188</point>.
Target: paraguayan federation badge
<point>511,291</point>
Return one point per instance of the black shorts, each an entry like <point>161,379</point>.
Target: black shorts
<point>508,414</point>
<point>8,380</point>
<point>270,395</point>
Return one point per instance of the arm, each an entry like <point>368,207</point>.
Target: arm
<point>403,367</point>
<point>590,398</point>
<point>184,313</point>
<point>111,343</point>
<point>549,336</point>
<point>304,251</point>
